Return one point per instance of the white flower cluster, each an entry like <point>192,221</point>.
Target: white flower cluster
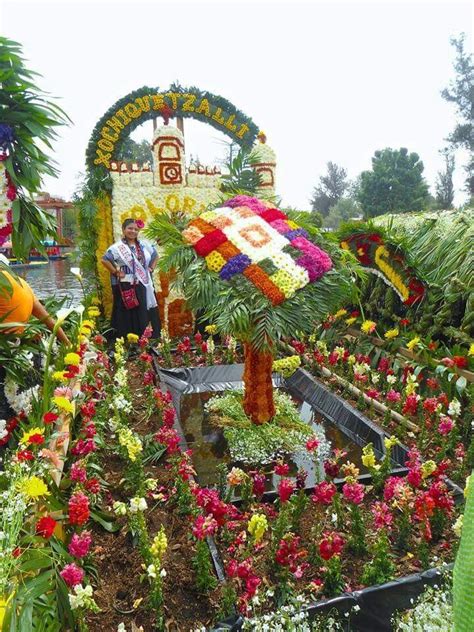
<point>454,408</point>
<point>432,613</point>
<point>121,377</point>
<point>82,597</point>
<point>292,618</point>
<point>121,403</point>
<point>3,428</point>
<point>20,401</point>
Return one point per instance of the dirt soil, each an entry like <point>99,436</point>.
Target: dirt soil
<point>122,589</point>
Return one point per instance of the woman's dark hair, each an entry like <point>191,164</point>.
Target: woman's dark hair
<point>127,222</point>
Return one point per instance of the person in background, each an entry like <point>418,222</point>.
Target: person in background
<point>131,263</point>
<point>18,303</point>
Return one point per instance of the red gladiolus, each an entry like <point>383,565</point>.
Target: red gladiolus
<point>312,444</point>
<point>168,417</point>
<point>78,509</point>
<point>373,393</point>
<point>324,493</point>
<point>332,544</point>
<point>208,499</point>
<point>169,438</point>
<point>78,473</point>
<point>88,409</point>
<point>258,483</point>
<point>286,487</point>
<point>148,378</point>
<point>204,526</point>
<point>198,338</point>
<point>45,527</point>
<point>430,404</point>
<point>404,322</point>
<point>411,405</point>
<point>460,361</point>
<point>146,357</point>
<point>393,396</point>
<point>281,469</point>
<point>93,485</point>
<point>50,417</point>
<point>432,383</point>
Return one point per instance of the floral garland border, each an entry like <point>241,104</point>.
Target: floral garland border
<point>146,103</point>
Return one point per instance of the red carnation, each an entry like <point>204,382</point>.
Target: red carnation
<point>36,439</point>
<point>93,485</point>
<point>25,455</point>
<point>332,544</point>
<point>45,526</point>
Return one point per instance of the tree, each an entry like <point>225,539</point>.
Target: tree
<point>395,184</point>
<point>461,93</point>
<point>330,189</point>
<point>229,297</point>
<point>444,182</point>
<point>344,210</point>
<point>131,151</point>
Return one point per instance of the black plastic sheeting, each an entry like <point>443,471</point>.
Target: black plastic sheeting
<point>377,604</point>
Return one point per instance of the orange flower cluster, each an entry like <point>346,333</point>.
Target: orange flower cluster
<point>258,398</point>
<point>262,281</point>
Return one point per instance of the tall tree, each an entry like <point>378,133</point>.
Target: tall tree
<point>395,184</point>
<point>444,182</point>
<point>140,152</point>
<point>330,190</point>
<point>461,93</point>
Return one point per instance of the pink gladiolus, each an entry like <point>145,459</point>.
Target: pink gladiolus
<point>353,492</point>
<point>446,425</point>
<point>78,473</point>
<point>72,575</point>
<point>80,544</point>
<point>393,396</point>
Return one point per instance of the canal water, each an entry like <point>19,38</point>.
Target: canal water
<point>54,279</point>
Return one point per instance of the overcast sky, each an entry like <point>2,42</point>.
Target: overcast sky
<point>325,81</point>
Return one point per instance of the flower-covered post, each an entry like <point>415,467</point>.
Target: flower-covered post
<point>258,276</point>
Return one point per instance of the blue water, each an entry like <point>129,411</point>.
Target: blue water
<point>54,279</point>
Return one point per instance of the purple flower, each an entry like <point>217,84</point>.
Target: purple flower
<point>235,265</point>
<point>245,200</point>
<point>313,267</point>
<point>299,232</point>
<point>6,134</point>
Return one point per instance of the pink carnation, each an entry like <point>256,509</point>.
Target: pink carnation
<point>446,425</point>
<point>78,473</point>
<point>353,492</point>
<point>72,575</point>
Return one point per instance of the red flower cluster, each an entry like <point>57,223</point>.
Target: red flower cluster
<point>78,509</point>
<point>324,493</point>
<point>204,526</point>
<point>286,487</point>
<point>331,544</point>
<point>45,526</point>
<point>288,554</point>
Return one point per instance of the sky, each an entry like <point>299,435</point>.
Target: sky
<point>326,81</point>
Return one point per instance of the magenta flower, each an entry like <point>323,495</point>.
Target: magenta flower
<point>78,473</point>
<point>381,513</point>
<point>80,544</point>
<point>393,396</point>
<point>72,574</point>
<point>285,489</point>
<point>353,492</point>
<point>323,493</point>
<point>446,425</point>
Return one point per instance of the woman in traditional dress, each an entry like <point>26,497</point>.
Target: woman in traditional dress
<point>131,263</point>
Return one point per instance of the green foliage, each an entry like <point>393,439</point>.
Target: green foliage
<point>333,580</point>
<point>344,210</point>
<point>330,190</point>
<point>205,578</point>
<point>241,175</point>
<point>253,444</point>
<point>140,152</point>
<point>33,119</point>
<point>380,569</point>
<point>395,184</point>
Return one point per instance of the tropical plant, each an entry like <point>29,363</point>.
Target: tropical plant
<point>29,123</point>
<point>237,308</point>
<point>241,176</point>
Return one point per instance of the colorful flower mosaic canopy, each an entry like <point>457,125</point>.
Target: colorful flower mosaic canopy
<point>248,236</point>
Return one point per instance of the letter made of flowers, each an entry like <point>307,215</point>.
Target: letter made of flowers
<point>251,238</point>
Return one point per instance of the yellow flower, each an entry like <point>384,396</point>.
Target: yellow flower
<point>211,329</point>
<point>340,312</point>
<point>87,324</point>
<point>59,376</point>
<point>287,366</point>
<point>93,312</point>
<point>351,320</point>
<point>344,245</point>
<point>471,350</point>
<point>414,342</point>
<point>391,333</point>
<point>389,442</point>
<point>33,487</point>
<point>130,442</point>
<point>350,470</point>
<point>427,468</point>
<point>368,456</point>
<point>95,301</point>
<point>159,545</point>
<point>29,433</point>
<point>257,526</point>
<point>132,338</point>
<point>72,358</point>
<point>64,404</point>
<point>368,326</point>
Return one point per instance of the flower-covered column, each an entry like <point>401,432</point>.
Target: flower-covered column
<point>258,387</point>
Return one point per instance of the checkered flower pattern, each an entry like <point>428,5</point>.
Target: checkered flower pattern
<point>249,236</point>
